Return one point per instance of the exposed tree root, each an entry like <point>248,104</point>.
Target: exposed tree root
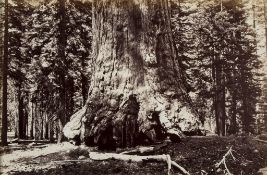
<point>223,160</point>
<point>135,158</point>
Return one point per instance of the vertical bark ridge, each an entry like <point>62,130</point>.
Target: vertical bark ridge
<point>136,71</point>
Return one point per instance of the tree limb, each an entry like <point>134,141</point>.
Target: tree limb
<point>223,160</point>
<point>262,141</point>
<point>135,158</point>
<point>142,150</point>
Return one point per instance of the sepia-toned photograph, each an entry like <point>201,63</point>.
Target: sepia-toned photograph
<point>138,87</point>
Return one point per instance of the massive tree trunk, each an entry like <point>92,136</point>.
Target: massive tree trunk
<point>136,77</point>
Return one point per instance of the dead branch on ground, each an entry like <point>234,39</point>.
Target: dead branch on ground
<point>147,149</point>
<point>136,158</point>
<point>223,160</point>
<point>262,141</point>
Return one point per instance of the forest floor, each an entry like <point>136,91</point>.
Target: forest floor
<point>198,155</point>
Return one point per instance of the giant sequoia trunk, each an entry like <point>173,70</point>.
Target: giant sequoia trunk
<point>136,79</point>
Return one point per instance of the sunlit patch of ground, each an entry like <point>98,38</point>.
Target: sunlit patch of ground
<point>198,155</point>
<point>17,157</point>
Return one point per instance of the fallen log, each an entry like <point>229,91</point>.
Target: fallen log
<point>140,150</point>
<point>124,157</point>
<point>135,158</point>
<point>23,141</point>
<point>71,160</point>
<point>147,149</point>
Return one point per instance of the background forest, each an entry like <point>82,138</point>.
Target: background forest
<point>220,46</point>
<point>133,87</point>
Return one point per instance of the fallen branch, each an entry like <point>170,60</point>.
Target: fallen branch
<point>223,161</point>
<point>36,146</point>
<point>64,161</point>
<point>169,161</point>
<point>124,157</point>
<point>139,150</point>
<point>21,141</point>
<point>135,158</point>
<point>180,168</point>
<point>143,150</point>
<point>262,141</point>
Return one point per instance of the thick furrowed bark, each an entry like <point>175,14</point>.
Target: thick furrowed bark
<point>136,74</point>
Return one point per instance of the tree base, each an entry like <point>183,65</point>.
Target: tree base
<point>120,124</point>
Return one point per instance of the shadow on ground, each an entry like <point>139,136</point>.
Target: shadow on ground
<point>198,155</point>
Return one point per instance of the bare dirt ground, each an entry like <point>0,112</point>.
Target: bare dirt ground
<point>198,155</point>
